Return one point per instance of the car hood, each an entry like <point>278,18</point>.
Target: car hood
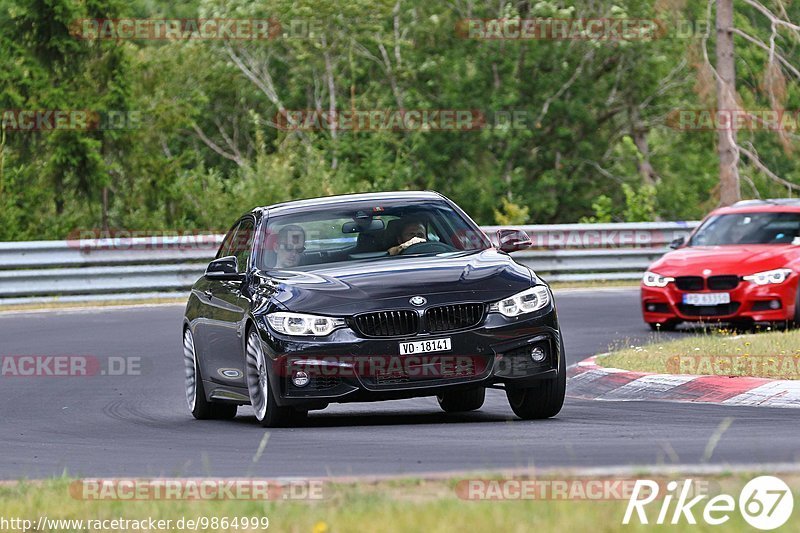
<point>721,260</point>
<point>388,283</point>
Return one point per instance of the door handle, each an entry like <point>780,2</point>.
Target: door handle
<point>208,294</point>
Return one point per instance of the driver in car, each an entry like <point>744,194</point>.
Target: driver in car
<point>412,232</point>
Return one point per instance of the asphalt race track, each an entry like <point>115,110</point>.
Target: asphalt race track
<point>140,425</point>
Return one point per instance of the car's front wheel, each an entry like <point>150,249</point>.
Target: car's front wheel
<point>543,400</point>
<point>268,412</point>
<point>461,401</point>
<point>201,408</point>
<point>796,322</point>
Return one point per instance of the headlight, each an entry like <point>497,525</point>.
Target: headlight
<point>651,279</point>
<point>770,276</point>
<point>527,301</point>
<point>300,324</point>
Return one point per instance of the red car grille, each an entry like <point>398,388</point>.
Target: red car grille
<point>722,283</point>
<point>714,283</point>
<point>689,283</point>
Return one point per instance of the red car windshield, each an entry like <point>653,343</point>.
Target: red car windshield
<point>749,228</point>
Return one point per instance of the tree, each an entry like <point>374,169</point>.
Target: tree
<point>777,66</point>
<point>729,190</point>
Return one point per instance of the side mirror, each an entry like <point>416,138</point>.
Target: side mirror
<point>224,269</point>
<point>677,243</point>
<point>511,240</point>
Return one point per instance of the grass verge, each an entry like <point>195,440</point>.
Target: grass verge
<point>596,284</point>
<point>89,305</point>
<point>387,506</point>
<point>772,354</point>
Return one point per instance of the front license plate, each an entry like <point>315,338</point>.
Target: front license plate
<point>433,345</point>
<point>708,298</point>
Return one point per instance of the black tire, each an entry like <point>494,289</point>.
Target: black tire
<point>663,326</point>
<point>201,408</point>
<point>543,400</point>
<point>268,414</point>
<point>463,400</point>
<point>796,321</point>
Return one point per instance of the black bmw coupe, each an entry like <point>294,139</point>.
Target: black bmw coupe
<point>369,297</point>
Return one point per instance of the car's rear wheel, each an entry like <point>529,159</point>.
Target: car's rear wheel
<point>461,401</point>
<point>544,399</point>
<point>201,408</point>
<point>268,412</point>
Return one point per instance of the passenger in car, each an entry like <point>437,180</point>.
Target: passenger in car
<point>291,245</point>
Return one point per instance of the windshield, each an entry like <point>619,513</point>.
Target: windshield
<point>749,228</point>
<point>354,231</point>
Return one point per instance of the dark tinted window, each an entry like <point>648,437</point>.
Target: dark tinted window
<point>227,243</point>
<point>749,228</point>
<point>243,243</point>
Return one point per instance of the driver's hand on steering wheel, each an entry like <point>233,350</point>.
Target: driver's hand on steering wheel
<point>394,250</point>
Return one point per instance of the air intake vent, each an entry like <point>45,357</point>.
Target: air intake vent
<point>689,283</point>
<point>453,317</point>
<point>722,283</point>
<point>388,323</point>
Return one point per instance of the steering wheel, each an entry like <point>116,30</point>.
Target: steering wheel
<point>427,248</point>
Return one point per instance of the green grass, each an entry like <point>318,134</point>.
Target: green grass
<point>387,506</point>
<point>111,302</point>
<point>772,354</point>
<point>594,284</point>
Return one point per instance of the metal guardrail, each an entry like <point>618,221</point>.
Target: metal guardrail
<point>122,268</point>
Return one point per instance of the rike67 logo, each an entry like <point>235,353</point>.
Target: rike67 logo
<point>765,503</point>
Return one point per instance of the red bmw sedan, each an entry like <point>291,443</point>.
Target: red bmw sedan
<point>741,265</point>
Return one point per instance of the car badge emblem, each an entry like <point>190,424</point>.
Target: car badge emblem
<point>706,272</point>
<point>418,300</point>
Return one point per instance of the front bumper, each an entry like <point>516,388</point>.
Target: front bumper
<point>345,367</point>
<point>749,303</point>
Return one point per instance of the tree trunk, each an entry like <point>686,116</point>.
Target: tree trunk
<point>639,133</point>
<point>105,210</point>
<point>726,104</point>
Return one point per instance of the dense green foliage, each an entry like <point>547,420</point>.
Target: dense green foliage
<point>593,141</point>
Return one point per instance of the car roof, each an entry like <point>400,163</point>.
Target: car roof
<point>775,205</point>
<point>345,198</point>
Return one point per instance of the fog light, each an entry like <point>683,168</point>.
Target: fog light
<point>537,354</point>
<point>774,304</point>
<point>300,379</point>
<point>651,307</point>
